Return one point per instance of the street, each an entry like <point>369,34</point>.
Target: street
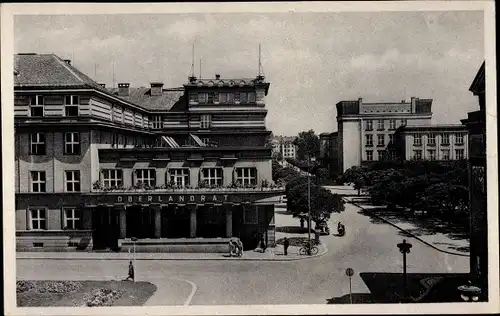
<point>367,247</point>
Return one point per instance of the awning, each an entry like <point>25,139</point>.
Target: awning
<point>170,141</point>
<point>197,140</point>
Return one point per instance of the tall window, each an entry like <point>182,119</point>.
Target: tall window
<point>417,154</point>
<point>230,97</point>
<point>206,121</point>
<point>392,124</point>
<point>380,154</point>
<point>38,218</point>
<point>72,143</point>
<point>391,138</point>
<point>392,154</point>
<point>251,97</point>
<point>445,139</point>
<point>206,141</point>
<point>112,178</point>
<point>459,138</point>
<point>223,97</point>
<point>36,105</point>
<point>212,176</point>
<point>179,177</point>
<point>369,125</point>
<point>237,97</point>
<point>157,121</point>
<point>37,144</point>
<point>202,97</point>
<point>243,97</point>
<point>38,181</point>
<point>445,154</point>
<point>431,139</point>
<point>380,125</point>
<point>210,98</point>
<point>369,140</point>
<point>459,154</point>
<point>246,176</point>
<point>72,181</point>
<point>431,154</point>
<point>403,122</point>
<point>146,177</point>
<point>369,155</point>
<point>71,103</point>
<point>417,139</point>
<point>380,140</point>
<point>72,218</point>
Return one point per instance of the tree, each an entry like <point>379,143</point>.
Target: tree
<point>307,143</point>
<point>321,174</point>
<point>356,175</point>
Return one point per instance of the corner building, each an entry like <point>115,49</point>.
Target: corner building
<point>180,169</point>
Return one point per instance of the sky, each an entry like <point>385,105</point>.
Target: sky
<point>312,60</point>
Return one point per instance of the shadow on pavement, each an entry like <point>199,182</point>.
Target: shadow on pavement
<point>285,212</point>
<point>357,298</point>
<point>291,229</point>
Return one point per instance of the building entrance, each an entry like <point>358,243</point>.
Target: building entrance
<point>140,222</point>
<point>105,228</point>
<point>175,222</point>
<point>210,222</point>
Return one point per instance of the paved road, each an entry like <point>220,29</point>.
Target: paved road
<point>367,247</point>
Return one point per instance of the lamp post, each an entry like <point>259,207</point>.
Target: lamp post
<point>134,239</point>
<point>309,159</point>
<point>404,248</point>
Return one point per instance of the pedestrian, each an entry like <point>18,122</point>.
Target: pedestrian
<point>286,244</point>
<point>130,272</point>
<point>262,244</point>
<point>301,222</point>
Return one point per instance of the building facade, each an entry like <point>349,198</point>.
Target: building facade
<point>328,154</point>
<point>97,167</point>
<point>365,129</point>
<point>429,142</point>
<point>284,147</point>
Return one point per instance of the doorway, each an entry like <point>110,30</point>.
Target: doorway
<point>105,228</point>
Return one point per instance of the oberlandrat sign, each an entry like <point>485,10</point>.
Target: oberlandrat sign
<point>191,198</point>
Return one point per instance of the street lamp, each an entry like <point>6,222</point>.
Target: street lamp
<point>404,248</point>
<point>309,159</point>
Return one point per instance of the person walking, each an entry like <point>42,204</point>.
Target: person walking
<point>286,244</point>
<point>262,244</point>
<point>130,272</point>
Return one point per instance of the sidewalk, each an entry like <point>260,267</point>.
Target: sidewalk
<point>271,254</point>
<point>438,241</point>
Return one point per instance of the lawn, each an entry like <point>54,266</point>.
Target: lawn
<point>130,293</point>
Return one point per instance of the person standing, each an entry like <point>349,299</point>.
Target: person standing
<point>262,243</point>
<point>286,244</point>
<point>130,272</point>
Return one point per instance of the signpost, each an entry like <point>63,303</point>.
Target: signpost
<point>404,248</point>
<point>350,272</point>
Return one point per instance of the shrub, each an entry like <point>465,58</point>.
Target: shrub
<point>48,286</point>
<point>24,286</point>
<point>101,297</point>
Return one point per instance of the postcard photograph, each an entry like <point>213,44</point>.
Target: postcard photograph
<point>250,158</point>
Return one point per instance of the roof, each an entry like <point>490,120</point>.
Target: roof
<point>479,81</point>
<point>49,71</point>
<point>142,97</point>
<point>227,82</point>
<point>444,127</point>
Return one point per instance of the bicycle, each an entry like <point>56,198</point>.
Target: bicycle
<point>304,250</point>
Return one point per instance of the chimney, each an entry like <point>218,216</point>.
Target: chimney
<point>103,85</point>
<point>67,61</point>
<point>217,76</point>
<point>156,88</point>
<point>413,104</point>
<point>123,89</point>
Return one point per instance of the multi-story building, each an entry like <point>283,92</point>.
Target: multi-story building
<point>365,129</point>
<point>328,153</point>
<point>429,142</point>
<point>175,168</point>
<point>284,147</point>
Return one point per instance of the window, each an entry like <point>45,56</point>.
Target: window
<point>37,144</point>
<point>459,154</point>
<point>202,97</point>
<point>369,155</point>
<point>179,177</point>
<point>251,97</point>
<point>72,181</point>
<point>206,121</point>
<point>403,122</point>
<point>230,98</point>
<point>36,105</point>
<point>216,97</point>
<point>112,178</point>
<point>380,154</point>
<point>206,141</point>
<point>210,98</point>
<point>223,97</point>
<point>380,140</point>
<point>246,176</point>
<point>393,154</point>
<point>71,143</point>
<point>445,154</point>
<point>212,176</point>
<point>417,154</point>
<point>445,139</point>
<point>459,138</point>
<point>38,219</point>
<point>417,139</point>
<point>146,177</point>
<point>157,121</point>
<point>237,97</point>
<point>72,218</point>
<point>431,139</point>
<point>380,125</point>
<point>431,153</point>
<point>37,181</point>
<point>193,97</point>
<point>369,125</point>
<point>243,97</point>
<point>392,124</point>
<point>250,215</point>
<point>391,138</point>
<point>71,105</point>
<point>369,140</point>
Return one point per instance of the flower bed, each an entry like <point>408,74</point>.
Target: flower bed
<point>47,286</point>
<point>101,297</point>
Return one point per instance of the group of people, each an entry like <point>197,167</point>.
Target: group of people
<point>236,247</point>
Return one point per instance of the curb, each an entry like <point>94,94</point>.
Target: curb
<point>322,253</point>
<point>407,232</point>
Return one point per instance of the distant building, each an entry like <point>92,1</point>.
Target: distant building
<point>429,142</point>
<point>328,154</point>
<point>284,147</point>
<point>365,129</point>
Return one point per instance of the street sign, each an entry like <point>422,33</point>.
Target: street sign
<point>349,272</point>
